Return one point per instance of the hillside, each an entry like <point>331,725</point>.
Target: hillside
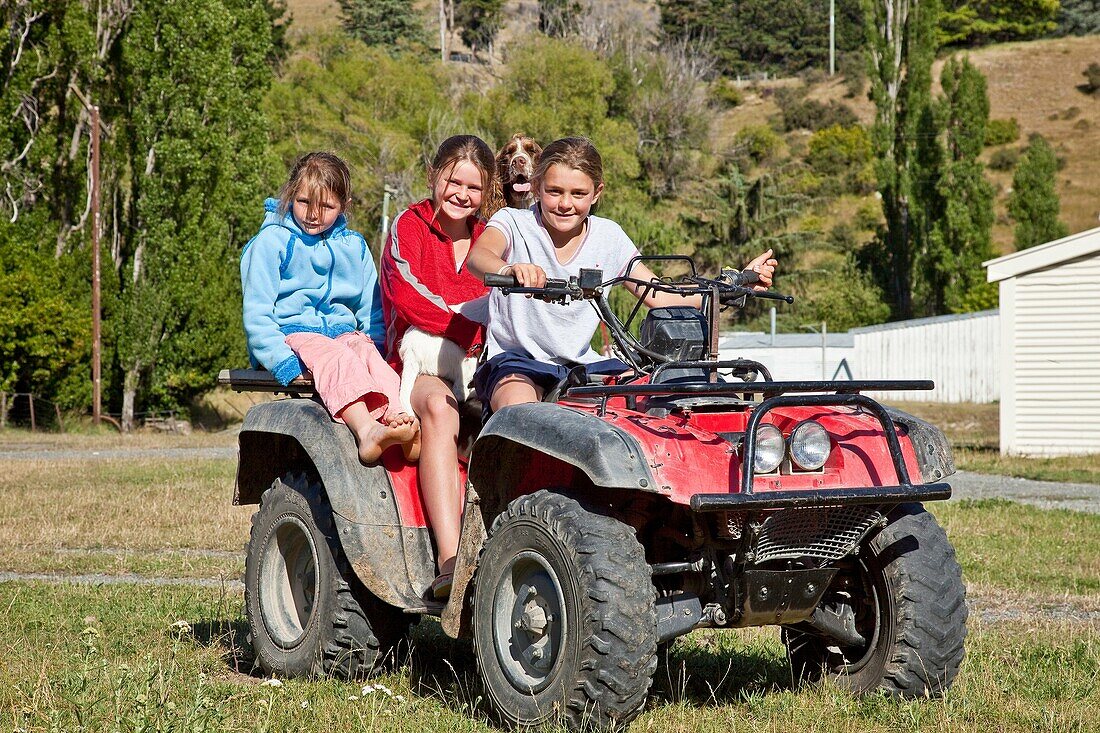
<point>1035,82</point>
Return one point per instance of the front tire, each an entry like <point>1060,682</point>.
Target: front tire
<point>906,597</point>
<point>564,616</point>
<point>308,612</point>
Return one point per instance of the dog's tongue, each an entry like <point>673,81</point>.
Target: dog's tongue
<point>521,187</point>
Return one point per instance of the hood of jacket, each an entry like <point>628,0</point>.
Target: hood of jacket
<point>287,221</point>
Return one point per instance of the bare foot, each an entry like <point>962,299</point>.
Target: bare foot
<point>411,449</point>
<point>380,437</point>
<point>408,425</point>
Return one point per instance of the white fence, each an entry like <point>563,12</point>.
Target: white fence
<point>960,353</point>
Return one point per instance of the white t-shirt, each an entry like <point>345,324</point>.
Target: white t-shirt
<point>549,332</point>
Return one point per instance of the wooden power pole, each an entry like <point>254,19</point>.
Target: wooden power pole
<point>96,375</point>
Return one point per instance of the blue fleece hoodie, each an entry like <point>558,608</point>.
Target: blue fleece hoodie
<point>295,282</point>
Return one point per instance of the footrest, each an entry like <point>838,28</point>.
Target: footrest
<point>261,380</point>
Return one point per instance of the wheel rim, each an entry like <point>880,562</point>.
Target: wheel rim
<point>869,618</point>
<point>529,622</point>
<point>870,605</point>
<point>289,580</point>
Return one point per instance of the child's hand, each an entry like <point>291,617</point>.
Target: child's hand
<point>528,275</point>
<point>763,265</point>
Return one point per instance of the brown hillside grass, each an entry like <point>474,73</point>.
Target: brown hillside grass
<point>1035,82</point>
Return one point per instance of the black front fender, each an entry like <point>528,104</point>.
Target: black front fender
<point>609,456</point>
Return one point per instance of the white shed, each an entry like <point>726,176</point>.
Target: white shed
<point>1050,346</point>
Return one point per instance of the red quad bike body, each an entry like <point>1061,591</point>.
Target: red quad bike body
<point>613,517</point>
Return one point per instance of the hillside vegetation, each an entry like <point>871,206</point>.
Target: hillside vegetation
<point>206,101</point>
<point>1035,82</point>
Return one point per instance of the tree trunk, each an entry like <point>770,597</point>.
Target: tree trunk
<point>129,391</point>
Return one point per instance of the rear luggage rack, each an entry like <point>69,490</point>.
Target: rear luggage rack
<point>261,380</point>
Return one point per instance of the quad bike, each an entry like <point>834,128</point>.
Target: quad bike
<point>614,516</point>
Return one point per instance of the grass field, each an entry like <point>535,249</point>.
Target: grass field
<point>974,432</point>
<point>174,658</point>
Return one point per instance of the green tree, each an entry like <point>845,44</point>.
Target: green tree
<point>901,48</point>
<point>977,22</point>
<point>480,20</point>
<point>1034,201</point>
<point>760,35</point>
<point>383,112</point>
<point>392,23</point>
<point>195,73</point>
<point>1078,18</point>
<point>962,229</point>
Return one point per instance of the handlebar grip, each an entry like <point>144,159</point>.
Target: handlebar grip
<point>493,280</point>
<point>749,277</point>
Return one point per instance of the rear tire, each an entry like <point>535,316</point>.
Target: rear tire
<point>908,600</point>
<point>564,616</point>
<point>308,612</point>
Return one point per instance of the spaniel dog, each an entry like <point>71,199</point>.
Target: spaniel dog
<point>516,163</point>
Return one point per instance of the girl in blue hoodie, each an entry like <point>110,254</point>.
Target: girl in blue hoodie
<point>310,293</point>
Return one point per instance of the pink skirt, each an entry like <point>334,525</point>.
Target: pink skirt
<point>349,369</point>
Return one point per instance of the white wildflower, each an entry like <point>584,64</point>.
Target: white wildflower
<point>368,689</point>
<point>305,704</point>
<point>352,698</point>
<point>181,626</point>
<point>272,683</point>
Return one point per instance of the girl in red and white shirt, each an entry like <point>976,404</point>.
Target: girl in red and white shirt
<point>423,275</point>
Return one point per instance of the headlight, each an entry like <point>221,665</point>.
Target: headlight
<point>770,449</point>
<point>810,445</point>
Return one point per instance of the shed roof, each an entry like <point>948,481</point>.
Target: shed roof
<point>1072,247</point>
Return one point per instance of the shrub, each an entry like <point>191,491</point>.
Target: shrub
<point>800,113</point>
<point>1004,159</point>
<point>1002,132</point>
<point>725,93</point>
<point>758,143</point>
<point>1092,79</point>
<point>868,216</point>
<point>836,150</point>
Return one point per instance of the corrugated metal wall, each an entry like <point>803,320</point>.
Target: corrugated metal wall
<point>1056,349</point>
<point>959,353</point>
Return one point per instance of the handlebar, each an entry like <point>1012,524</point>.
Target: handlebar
<point>730,288</point>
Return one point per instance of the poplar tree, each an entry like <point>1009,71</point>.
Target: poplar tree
<point>962,235</point>
<point>1034,201</point>
<point>195,74</point>
<point>901,47</point>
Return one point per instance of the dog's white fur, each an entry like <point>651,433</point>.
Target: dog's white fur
<point>425,353</point>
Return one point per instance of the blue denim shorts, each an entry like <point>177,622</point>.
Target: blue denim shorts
<point>543,374</point>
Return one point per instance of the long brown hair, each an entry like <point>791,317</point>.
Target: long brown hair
<point>573,152</point>
<point>473,149</point>
<point>314,175</point>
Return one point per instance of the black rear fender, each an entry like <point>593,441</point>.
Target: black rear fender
<point>396,563</point>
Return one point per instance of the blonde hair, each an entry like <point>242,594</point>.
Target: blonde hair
<point>314,175</point>
<point>472,149</point>
<point>573,152</point>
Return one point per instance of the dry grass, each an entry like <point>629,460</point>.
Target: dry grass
<point>129,504</point>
